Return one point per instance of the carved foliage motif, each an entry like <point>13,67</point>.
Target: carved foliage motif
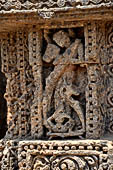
<point>109,41</point>
<point>46,155</point>
<point>109,96</point>
<point>66,162</point>
<point>108,69</point>
<point>9,155</point>
<point>63,156</point>
<point>7,5</point>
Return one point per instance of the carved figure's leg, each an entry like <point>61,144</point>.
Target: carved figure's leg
<point>76,106</point>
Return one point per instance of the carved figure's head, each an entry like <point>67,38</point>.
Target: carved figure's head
<point>62,39</point>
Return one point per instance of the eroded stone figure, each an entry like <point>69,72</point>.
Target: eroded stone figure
<point>60,83</point>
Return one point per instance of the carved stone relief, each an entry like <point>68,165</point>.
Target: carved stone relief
<point>109,77</point>
<point>59,86</point>
<point>54,86</point>
<point>46,9</point>
<point>19,77</point>
<point>63,155</point>
<point>64,101</point>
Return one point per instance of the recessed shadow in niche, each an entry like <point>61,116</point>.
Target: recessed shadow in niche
<point>3,105</point>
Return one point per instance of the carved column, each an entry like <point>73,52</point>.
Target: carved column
<point>9,68</point>
<point>35,60</point>
<point>94,115</point>
<point>95,93</point>
<point>15,65</point>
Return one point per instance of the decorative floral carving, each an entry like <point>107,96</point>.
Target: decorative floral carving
<point>45,14</point>
<point>109,76</point>
<point>8,5</point>
<point>75,162</point>
<point>41,162</point>
<point>67,162</point>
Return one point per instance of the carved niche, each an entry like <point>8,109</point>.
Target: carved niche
<point>46,87</point>
<point>64,82</point>
<point>54,85</point>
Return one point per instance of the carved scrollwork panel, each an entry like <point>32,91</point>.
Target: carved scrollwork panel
<point>60,155</point>
<point>75,162</point>
<point>109,41</point>
<point>109,97</point>
<point>63,162</point>
<point>108,69</point>
<point>20,5</point>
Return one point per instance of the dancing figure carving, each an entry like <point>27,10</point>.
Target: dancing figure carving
<point>60,83</point>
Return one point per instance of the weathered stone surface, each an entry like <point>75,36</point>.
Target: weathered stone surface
<point>8,5</point>
<point>57,65</point>
<point>66,154</point>
<point>62,39</point>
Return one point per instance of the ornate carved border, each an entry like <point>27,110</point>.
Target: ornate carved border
<point>55,154</point>
<point>47,8</point>
<point>23,155</point>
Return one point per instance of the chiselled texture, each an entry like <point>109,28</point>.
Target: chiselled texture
<point>64,155</point>
<point>56,82</point>
<point>91,42</point>
<point>19,78</point>
<point>63,98</point>
<point>9,153</point>
<point>95,47</point>
<point>14,4</point>
<point>58,75</point>
<point>46,9</point>
<point>46,155</point>
<point>108,70</point>
<point>109,96</point>
<point>94,106</point>
<point>35,44</point>
<point>109,41</point>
